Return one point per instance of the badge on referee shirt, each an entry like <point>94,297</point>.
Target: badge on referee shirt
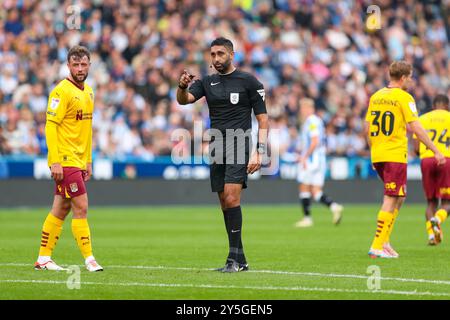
<point>234,98</point>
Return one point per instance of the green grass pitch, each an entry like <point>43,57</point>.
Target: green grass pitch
<point>169,252</point>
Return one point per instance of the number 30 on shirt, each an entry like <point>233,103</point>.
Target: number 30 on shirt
<point>382,122</point>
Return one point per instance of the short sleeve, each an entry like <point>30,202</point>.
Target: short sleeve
<point>257,96</point>
<point>57,106</point>
<point>409,109</point>
<point>196,89</point>
<point>313,127</point>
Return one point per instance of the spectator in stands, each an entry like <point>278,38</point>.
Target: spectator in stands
<point>315,49</point>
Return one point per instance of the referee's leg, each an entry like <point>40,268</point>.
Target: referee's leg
<point>230,201</point>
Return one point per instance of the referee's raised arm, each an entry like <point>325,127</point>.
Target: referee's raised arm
<point>183,95</point>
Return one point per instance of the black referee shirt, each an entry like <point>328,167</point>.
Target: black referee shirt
<point>230,99</point>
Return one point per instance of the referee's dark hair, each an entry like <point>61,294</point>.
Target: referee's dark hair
<point>221,41</point>
<point>442,100</point>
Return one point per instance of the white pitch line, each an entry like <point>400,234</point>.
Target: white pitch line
<point>209,286</point>
<point>292,273</point>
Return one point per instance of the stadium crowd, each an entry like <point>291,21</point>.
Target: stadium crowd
<point>297,48</point>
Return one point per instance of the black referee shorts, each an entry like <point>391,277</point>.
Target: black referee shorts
<point>227,173</point>
<point>233,167</point>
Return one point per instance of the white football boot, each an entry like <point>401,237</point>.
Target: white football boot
<point>387,247</point>
<point>336,209</point>
<point>374,253</point>
<point>304,223</point>
<point>49,265</point>
<point>92,265</point>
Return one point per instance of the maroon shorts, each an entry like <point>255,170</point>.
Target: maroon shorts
<point>72,184</point>
<point>393,174</point>
<point>435,179</point>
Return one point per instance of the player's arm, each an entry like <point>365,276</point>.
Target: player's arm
<point>258,102</point>
<point>422,136</point>
<point>367,124</point>
<point>88,175</point>
<point>416,145</point>
<point>263,128</point>
<point>51,137</point>
<point>367,133</point>
<point>312,146</point>
<point>314,142</point>
<point>56,110</point>
<point>183,95</point>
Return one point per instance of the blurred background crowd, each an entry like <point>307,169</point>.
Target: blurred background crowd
<point>296,48</point>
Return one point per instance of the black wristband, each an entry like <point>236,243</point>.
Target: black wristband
<point>261,147</point>
<point>182,88</point>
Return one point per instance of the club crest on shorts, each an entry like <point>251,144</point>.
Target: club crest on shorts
<point>234,98</point>
<point>73,187</point>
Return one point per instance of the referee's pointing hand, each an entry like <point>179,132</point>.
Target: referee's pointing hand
<point>185,79</point>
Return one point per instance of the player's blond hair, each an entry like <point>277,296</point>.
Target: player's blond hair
<point>307,102</point>
<point>397,69</point>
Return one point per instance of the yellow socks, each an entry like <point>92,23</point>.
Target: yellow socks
<point>441,215</point>
<point>429,230</point>
<point>391,225</point>
<point>383,225</point>
<point>82,234</point>
<point>51,230</point>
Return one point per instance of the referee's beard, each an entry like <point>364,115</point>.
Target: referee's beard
<point>223,67</point>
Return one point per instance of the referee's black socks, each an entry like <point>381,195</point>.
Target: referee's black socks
<point>233,225</point>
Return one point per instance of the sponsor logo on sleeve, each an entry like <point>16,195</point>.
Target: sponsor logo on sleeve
<point>262,93</point>
<point>412,106</point>
<point>54,103</point>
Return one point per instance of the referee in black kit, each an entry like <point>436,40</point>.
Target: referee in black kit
<point>231,96</point>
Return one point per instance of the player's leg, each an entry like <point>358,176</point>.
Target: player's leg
<point>393,176</point>
<point>317,183</point>
<point>236,260</point>
<point>430,185</point>
<point>227,226</point>
<point>51,230</point>
<point>384,219</point>
<point>82,232</point>
<point>335,208</point>
<point>387,243</point>
<point>443,193</point>
<point>217,179</point>
<point>432,205</point>
<point>76,190</point>
<point>235,180</point>
<point>304,192</point>
<point>443,212</point>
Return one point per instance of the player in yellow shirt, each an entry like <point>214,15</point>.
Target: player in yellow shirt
<point>390,110</point>
<point>68,133</point>
<point>436,179</point>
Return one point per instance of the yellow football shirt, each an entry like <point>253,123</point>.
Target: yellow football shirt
<point>437,124</point>
<point>70,109</point>
<point>390,109</point>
